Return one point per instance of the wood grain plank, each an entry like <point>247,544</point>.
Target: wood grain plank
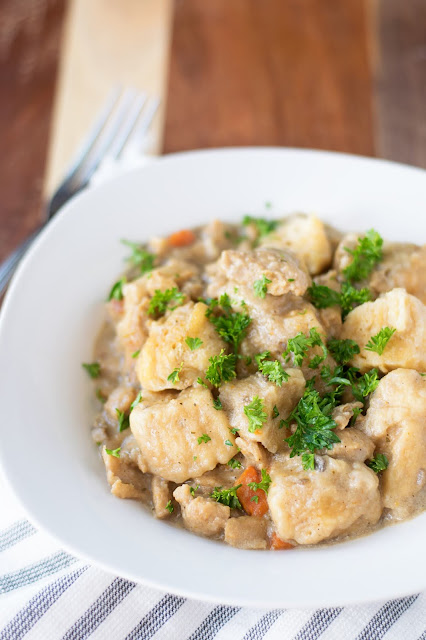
<point>279,72</point>
<point>400,80</point>
<point>29,44</point>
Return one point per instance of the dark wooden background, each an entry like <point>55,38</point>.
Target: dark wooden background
<point>347,75</point>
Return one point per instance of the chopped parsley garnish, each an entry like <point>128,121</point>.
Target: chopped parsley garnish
<point>355,413</point>
<point>193,343</point>
<point>254,499</point>
<point>92,368</point>
<point>136,353</point>
<point>378,463</point>
<point>378,342</point>
<point>161,300</point>
<point>364,385</point>
<point>116,292</point>
<point>314,424</point>
<point>173,377</point>
<point>308,461</point>
<point>227,497</point>
<point>322,296</point>
<point>351,297</point>
<point>114,452</point>
<point>343,350</point>
<point>139,257</point>
<point>255,414</point>
<point>221,368</point>
<point>275,412</point>
<point>366,255</point>
<point>169,507</point>
<point>263,484</point>
<point>123,420</point>
<point>228,443</point>
<point>217,404</point>
<point>203,438</point>
<point>230,325</point>
<point>262,225</point>
<point>100,396</point>
<point>261,286</point>
<point>233,430</point>
<point>192,490</point>
<point>136,401</point>
<point>273,370</point>
<point>299,346</point>
<point>202,383</point>
<point>234,464</point>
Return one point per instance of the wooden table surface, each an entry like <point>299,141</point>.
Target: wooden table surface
<point>347,75</point>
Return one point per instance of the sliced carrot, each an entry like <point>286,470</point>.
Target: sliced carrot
<point>181,238</point>
<point>278,545</point>
<point>258,506</point>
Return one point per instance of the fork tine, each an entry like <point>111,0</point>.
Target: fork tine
<point>127,126</point>
<point>142,124</point>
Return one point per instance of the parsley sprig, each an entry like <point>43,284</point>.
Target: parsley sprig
<point>161,301</point>
<point>255,414</point>
<point>261,286</point>
<point>378,342</point>
<point>273,370</point>
<point>262,225</point>
<point>227,497</point>
<point>343,350</point>
<point>221,368</point>
<point>230,325</point>
<point>173,377</point>
<point>193,343</point>
<point>378,463</point>
<point>263,484</point>
<point>116,292</point>
<point>366,255</point>
<point>92,368</point>
<point>300,345</point>
<point>140,257</point>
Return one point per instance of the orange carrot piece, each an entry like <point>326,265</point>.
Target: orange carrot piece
<point>245,493</point>
<point>278,545</point>
<point>181,238</point>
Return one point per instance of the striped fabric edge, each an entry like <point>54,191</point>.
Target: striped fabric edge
<point>35,572</point>
<point>156,618</point>
<point>27,617</point>
<point>382,621</point>
<point>262,626</point>
<point>16,532</point>
<point>100,609</point>
<point>211,625</point>
<point>318,623</point>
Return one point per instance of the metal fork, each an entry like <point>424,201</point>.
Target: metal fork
<point>122,124</point>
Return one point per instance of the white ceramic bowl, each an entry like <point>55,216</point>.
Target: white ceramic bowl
<point>48,323</point>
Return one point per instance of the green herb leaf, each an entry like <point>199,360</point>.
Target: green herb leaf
<point>136,353</point>
<point>136,401</point>
<point>202,383</point>
<point>114,452</point>
<point>193,343</point>
<point>169,507</point>
<point>262,225</point>
<point>350,297</point>
<point>261,286</point>
<point>228,443</point>
<point>123,420</point>
<point>343,350</point>
<point>227,497</point>
<point>217,404</point>
<point>203,438</point>
<point>139,257</point>
<point>93,369</point>
<point>234,464</point>
<point>378,342</point>
<point>161,300</point>
<point>100,396</point>
<point>221,368</point>
<point>254,499</point>
<point>275,412</point>
<point>308,461</point>
<point>378,463</point>
<point>192,490</point>
<point>273,370</point>
<point>116,292</point>
<point>300,345</point>
<point>366,255</point>
<point>231,326</point>
<point>363,386</point>
<point>322,296</point>
<point>234,430</point>
<point>255,414</point>
<point>174,375</point>
<point>263,484</point>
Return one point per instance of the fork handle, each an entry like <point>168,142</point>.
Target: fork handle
<point>7,268</point>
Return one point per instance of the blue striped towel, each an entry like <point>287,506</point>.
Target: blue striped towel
<point>47,594</point>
